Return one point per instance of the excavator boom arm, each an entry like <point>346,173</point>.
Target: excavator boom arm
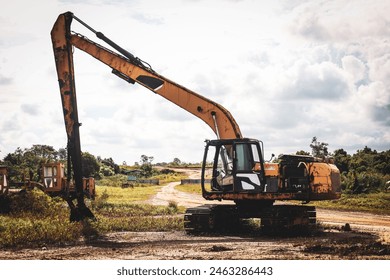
<point>64,63</point>
<point>131,69</point>
<point>213,114</point>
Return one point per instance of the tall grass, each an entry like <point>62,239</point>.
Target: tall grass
<point>118,179</point>
<point>33,231</point>
<point>106,223</point>
<point>171,177</point>
<point>37,219</point>
<point>190,188</point>
<point>127,195</point>
<point>120,210</point>
<point>378,203</point>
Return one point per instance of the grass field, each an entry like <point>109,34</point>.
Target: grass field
<point>377,203</point>
<point>190,188</point>
<point>119,209</point>
<point>126,195</point>
<point>37,219</point>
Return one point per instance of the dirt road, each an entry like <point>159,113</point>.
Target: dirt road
<point>169,194</point>
<point>369,238</point>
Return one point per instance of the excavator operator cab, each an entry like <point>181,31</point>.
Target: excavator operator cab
<point>233,165</point>
<point>55,182</point>
<point>53,173</point>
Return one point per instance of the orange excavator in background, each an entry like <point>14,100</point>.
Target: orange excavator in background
<point>53,183</point>
<point>239,172</point>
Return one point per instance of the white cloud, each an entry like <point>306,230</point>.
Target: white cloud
<point>323,80</point>
<point>355,68</point>
<point>287,71</point>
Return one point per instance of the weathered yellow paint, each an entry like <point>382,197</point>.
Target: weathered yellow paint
<point>271,169</point>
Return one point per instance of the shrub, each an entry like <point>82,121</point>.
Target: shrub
<point>35,219</point>
<point>112,181</point>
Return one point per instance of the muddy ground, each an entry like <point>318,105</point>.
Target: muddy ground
<point>368,238</point>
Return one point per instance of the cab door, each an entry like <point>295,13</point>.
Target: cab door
<point>248,174</point>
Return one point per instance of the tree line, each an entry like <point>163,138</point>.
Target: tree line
<point>365,171</point>
<point>26,164</point>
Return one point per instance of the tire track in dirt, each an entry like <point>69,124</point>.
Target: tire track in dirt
<point>168,194</point>
<point>360,221</point>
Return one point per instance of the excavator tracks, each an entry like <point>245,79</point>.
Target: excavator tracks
<point>211,218</point>
<point>286,219</point>
<point>277,219</point>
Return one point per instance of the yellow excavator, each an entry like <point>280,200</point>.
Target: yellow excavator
<point>53,183</point>
<point>238,173</point>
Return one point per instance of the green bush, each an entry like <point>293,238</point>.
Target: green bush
<point>137,223</point>
<point>112,181</point>
<point>378,203</point>
<point>365,182</point>
<point>36,202</point>
<point>37,219</point>
<point>37,232</point>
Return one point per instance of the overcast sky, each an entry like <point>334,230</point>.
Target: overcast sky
<point>286,70</point>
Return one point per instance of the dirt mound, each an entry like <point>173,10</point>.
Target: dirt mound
<point>352,246</point>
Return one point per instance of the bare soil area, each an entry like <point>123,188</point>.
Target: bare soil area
<point>367,238</point>
<point>329,244</point>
